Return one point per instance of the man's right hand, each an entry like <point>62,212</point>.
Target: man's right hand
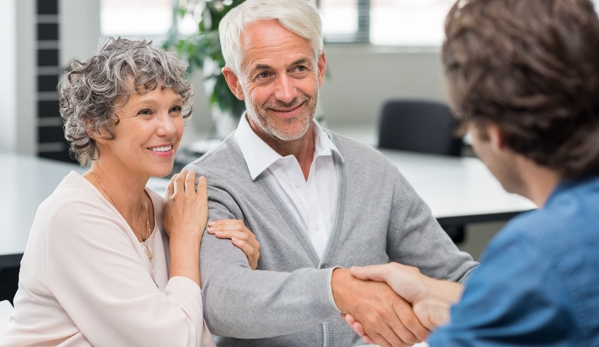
<point>387,318</point>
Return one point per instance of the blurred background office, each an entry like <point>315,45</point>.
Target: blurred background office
<point>377,50</point>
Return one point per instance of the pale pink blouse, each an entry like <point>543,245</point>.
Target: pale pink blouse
<point>86,280</point>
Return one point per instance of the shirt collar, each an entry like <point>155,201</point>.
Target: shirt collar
<point>259,156</point>
<point>567,184</point>
<point>323,144</point>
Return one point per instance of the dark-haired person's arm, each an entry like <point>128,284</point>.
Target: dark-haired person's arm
<point>511,303</point>
<point>505,303</point>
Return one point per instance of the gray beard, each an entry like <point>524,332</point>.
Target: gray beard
<point>269,129</point>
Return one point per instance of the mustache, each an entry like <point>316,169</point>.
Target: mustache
<point>280,104</point>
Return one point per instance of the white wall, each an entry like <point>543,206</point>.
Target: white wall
<point>79,34</point>
<point>362,77</point>
<point>8,62</point>
<point>17,69</point>
<point>26,77</point>
<point>79,29</point>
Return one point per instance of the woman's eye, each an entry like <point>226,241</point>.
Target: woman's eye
<point>177,109</point>
<point>145,112</point>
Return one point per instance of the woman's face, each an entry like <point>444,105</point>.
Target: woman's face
<point>148,133</point>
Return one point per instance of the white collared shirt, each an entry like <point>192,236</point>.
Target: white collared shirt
<point>312,202</point>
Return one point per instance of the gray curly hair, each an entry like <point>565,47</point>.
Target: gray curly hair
<point>90,89</point>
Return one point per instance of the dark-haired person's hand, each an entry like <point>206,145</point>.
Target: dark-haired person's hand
<point>386,318</point>
<point>240,236</point>
<point>431,299</point>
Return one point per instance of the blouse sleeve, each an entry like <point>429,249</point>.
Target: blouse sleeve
<point>96,275</point>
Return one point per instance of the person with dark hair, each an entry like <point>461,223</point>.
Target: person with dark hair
<point>110,262</point>
<point>523,77</point>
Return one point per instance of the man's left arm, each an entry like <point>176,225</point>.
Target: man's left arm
<point>415,238</point>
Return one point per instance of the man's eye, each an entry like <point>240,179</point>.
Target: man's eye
<point>301,68</point>
<point>263,75</point>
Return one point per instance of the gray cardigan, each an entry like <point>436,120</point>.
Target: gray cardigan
<point>287,301</point>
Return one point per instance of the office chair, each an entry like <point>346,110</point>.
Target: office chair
<point>9,282</point>
<point>424,127</point>
<point>419,126</point>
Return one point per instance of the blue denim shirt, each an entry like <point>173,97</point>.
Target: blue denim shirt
<point>538,283</point>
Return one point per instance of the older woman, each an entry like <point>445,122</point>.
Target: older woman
<point>98,270</point>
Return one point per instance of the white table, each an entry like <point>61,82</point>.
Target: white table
<point>458,190</point>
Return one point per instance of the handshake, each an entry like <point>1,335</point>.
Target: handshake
<point>393,304</point>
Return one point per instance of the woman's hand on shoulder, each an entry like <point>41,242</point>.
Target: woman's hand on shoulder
<point>186,208</point>
<point>240,236</point>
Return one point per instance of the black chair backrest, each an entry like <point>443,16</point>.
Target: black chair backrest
<point>418,126</point>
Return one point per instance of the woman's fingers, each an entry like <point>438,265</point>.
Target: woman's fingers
<point>247,249</point>
<point>240,236</point>
<point>185,181</point>
<point>250,251</point>
<point>202,188</point>
<point>233,229</point>
<point>180,182</point>
<point>184,209</point>
<point>227,224</point>
<point>170,190</point>
<point>202,197</point>
<point>229,234</point>
<point>190,181</point>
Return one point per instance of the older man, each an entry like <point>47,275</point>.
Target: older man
<point>317,202</point>
<point>524,78</point>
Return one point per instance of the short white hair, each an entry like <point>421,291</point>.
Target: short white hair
<point>298,16</point>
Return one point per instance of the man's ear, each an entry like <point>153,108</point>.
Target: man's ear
<point>233,82</point>
<point>497,137</point>
<point>322,68</point>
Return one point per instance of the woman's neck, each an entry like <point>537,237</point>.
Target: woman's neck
<point>120,187</point>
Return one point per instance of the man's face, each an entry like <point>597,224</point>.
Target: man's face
<point>280,80</point>
<point>489,147</point>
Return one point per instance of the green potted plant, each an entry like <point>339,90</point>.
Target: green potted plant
<point>202,50</point>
